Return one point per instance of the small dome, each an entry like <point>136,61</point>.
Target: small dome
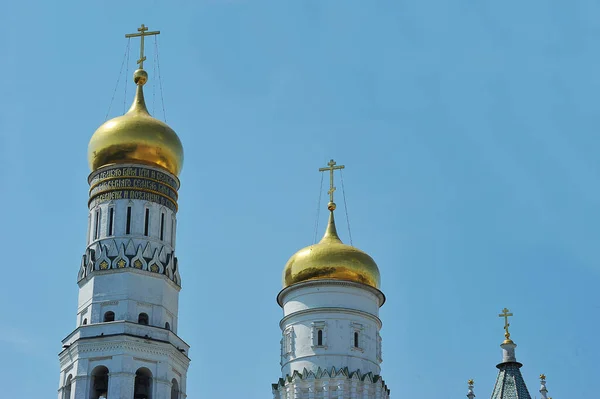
<point>331,259</point>
<point>136,137</point>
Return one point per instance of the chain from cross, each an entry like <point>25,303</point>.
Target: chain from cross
<point>143,33</point>
<point>331,168</point>
<point>506,314</point>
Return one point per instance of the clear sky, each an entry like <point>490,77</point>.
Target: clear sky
<point>469,131</point>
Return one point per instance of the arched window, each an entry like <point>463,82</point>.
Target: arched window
<point>143,384</point>
<point>320,338</point>
<point>174,389</point>
<point>162,226</point>
<point>67,388</point>
<point>109,316</point>
<point>84,321</point>
<point>143,319</point>
<point>356,339</point>
<point>99,383</point>
<point>167,326</point>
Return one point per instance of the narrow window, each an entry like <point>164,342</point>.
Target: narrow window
<point>128,227</point>
<point>143,319</point>
<point>320,338</point>
<point>167,326</point>
<point>84,321</point>
<point>97,224</point>
<point>111,217</point>
<point>162,226</point>
<point>109,316</point>
<point>174,389</point>
<point>173,233</point>
<point>146,221</point>
<point>356,339</point>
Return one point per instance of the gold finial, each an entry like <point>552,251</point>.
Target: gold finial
<point>506,314</point>
<point>543,377</point>
<point>140,76</point>
<point>471,382</point>
<point>331,168</point>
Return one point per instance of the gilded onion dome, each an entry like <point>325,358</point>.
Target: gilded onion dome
<point>331,259</point>
<point>136,137</point>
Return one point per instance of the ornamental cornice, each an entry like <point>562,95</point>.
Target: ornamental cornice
<point>324,374</point>
<point>329,282</point>
<point>122,346</point>
<point>118,254</point>
<point>302,312</point>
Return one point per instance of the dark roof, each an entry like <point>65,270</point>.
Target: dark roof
<point>510,383</point>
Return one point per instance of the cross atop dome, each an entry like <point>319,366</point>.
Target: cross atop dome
<point>143,32</point>
<point>332,167</point>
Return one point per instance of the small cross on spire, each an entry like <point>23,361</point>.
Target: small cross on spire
<point>331,168</point>
<point>143,32</point>
<point>506,314</point>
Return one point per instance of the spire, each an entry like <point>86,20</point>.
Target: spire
<point>331,234</point>
<point>543,390</point>
<point>510,383</point>
<point>470,393</point>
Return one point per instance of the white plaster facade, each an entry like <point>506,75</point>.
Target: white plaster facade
<point>127,316</point>
<point>330,345</point>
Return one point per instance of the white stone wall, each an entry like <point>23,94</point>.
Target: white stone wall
<point>127,293</point>
<point>122,355</point>
<point>340,309</point>
<point>137,222</point>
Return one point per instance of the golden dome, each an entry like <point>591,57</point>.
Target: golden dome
<point>331,259</point>
<point>137,138</point>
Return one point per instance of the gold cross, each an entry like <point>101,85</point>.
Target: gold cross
<point>331,168</point>
<point>143,33</point>
<point>505,313</point>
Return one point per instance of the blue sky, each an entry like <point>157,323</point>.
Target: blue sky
<point>469,134</point>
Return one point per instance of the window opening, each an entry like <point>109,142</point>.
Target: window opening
<point>356,339</point>
<point>111,217</point>
<point>167,326</point>
<point>162,226</point>
<point>97,224</point>
<point>320,338</point>
<point>146,221</point>
<point>67,390</point>
<point>109,316</point>
<point>143,319</point>
<point>99,383</point>
<point>84,321</point>
<point>128,227</point>
<point>174,389</point>
<point>143,384</point>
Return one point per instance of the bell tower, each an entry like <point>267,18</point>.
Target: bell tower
<point>125,343</point>
<point>330,330</point>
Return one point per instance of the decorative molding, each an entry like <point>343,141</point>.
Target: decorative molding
<point>317,283</point>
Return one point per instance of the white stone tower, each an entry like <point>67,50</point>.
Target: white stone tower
<point>330,347</point>
<point>125,343</point>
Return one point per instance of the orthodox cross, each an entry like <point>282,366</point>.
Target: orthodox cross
<point>143,33</point>
<point>505,313</point>
<point>331,168</point>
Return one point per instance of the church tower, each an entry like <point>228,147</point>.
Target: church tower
<point>330,346</point>
<point>125,343</point>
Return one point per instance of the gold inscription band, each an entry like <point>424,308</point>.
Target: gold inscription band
<point>133,194</point>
